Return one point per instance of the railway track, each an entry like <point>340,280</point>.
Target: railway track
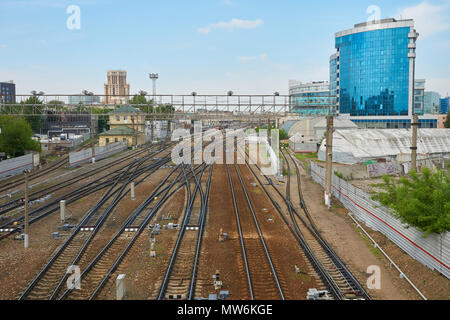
<point>343,283</point>
<point>179,279</point>
<point>51,278</point>
<point>39,194</point>
<point>17,181</point>
<point>92,259</point>
<point>336,277</point>
<point>15,225</point>
<point>262,276</point>
<point>97,273</point>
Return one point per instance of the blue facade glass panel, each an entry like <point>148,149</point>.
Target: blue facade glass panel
<point>333,79</point>
<point>444,106</point>
<point>374,72</point>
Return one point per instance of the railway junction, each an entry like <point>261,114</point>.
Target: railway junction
<point>136,225</point>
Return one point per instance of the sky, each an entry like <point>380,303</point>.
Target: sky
<point>206,46</point>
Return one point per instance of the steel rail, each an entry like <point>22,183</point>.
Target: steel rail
<point>241,237</point>
<point>98,225</point>
<point>71,197</point>
<point>348,276</point>
<point>318,266</point>
<point>141,228</point>
<point>156,192</point>
<point>261,237</point>
<point>18,202</point>
<point>187,215</point>
<point>201,223</point>
<point>104,198</point>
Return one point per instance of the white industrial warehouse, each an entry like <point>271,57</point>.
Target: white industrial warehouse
<point>306,134</point>
<point>360,145</point>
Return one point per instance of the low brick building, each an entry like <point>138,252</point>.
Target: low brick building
<point>122,133</point>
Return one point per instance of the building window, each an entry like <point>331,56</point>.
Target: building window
<point>117,118</point>
<point>107,140</point>
<point>116,139</point>
<point>124,139</point>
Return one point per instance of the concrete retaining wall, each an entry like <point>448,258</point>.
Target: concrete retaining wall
<point>17,165</point>
<point>432,251</point>
<point>84,156</point>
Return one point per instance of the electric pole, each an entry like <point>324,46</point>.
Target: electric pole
<point>26,236</point>
<point>329,161</point>
<point>153,77</point>
<point>93,138</point>
<point>414,124</point>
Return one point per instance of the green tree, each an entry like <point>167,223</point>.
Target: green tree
<point>33,105</point>
<point>15,137</point>
<point>421,200</point>
<point>140,102</point>
<point>447,120</point>
<point>103,118</point>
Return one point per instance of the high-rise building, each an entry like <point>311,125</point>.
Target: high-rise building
<point>431,102</point>
<point>445,103</point>
<point>419,100</point>
<point>374,75</point>
<point>311,98</point>
<point>117,89</point>
<point>7,92</point>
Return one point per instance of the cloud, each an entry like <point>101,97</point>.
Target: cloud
<point>260,57</point>
<point>3,46</point>
<point>428,19</point>
<point>232,24</point>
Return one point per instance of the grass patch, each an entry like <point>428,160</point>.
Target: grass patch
<point>369,243</point>
<point>257,190</point>
<point>338,206</point>
<point>306,156</point>
<point>303,277</point>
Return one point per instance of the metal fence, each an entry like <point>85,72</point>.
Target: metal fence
<point>84,156</point>
<point>432,251</point>
<point>80,140</point>
<point>17,165</point>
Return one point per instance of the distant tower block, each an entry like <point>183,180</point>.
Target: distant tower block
<point>117,89</point>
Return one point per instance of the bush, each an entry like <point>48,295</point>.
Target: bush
<point>420,200</point>
<point>16,135</point>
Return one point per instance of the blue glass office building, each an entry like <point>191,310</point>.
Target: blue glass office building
<point>312,98</point>
<point>445,103</point>
<point>373,73</point>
